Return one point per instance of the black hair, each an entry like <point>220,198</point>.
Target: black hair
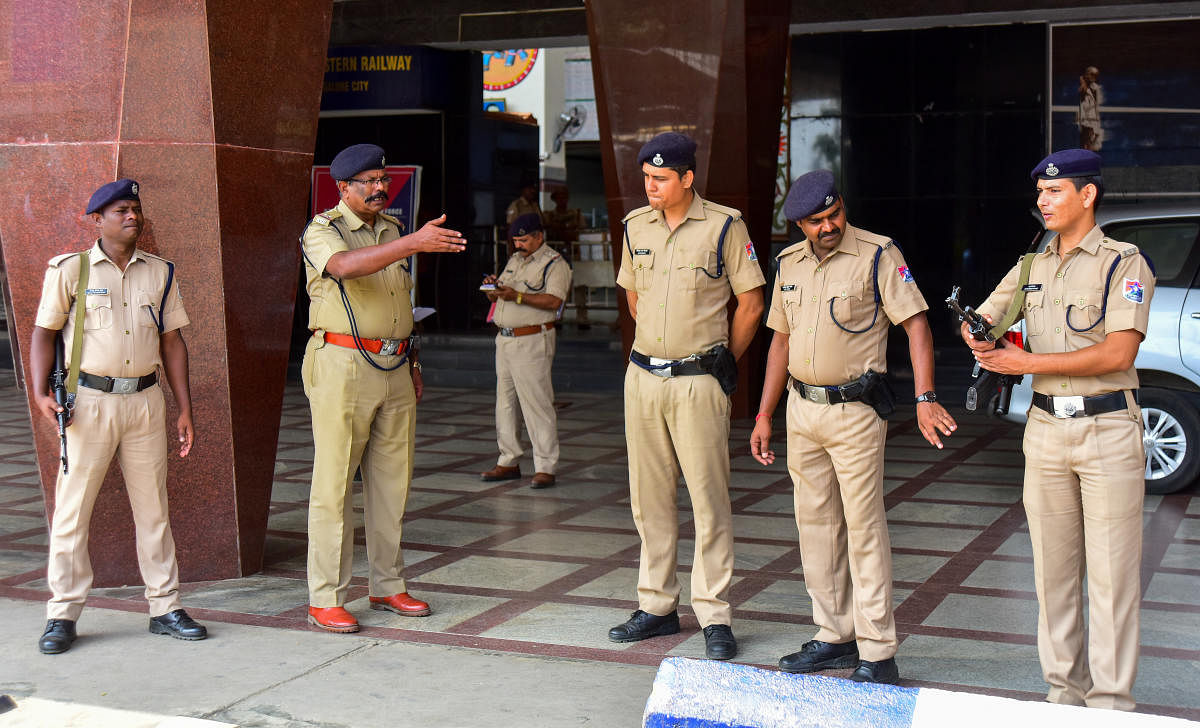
<point>1097,180</point>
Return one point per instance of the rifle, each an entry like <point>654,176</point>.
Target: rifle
<point>983,381</point>
<point>58,382</point>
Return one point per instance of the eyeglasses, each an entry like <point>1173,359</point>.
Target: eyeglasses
<point>384,181</point>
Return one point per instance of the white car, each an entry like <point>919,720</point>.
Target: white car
<point>1168,363</point>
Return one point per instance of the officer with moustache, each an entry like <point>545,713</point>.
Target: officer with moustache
<point>830,347</point>
<point>684,258</point>
<point>363,383</point>
<point>1086,304</point>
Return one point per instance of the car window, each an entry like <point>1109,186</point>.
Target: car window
<point>1169,242</point>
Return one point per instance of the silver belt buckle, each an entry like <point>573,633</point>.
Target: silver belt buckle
<point>1067,407</point>
<point>664,370</point>
<point>389,346</point>
<point>506,332</point>
<point>124,385</point>
<point>820,395</point>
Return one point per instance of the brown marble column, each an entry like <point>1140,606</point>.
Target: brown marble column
<point>715,71</point>
<point>212,106</point>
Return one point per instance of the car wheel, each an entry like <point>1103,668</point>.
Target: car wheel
<point>1172,440</point>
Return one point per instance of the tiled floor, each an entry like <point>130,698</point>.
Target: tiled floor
<point>548,572</point>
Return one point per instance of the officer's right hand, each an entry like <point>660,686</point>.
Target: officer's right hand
<point>433,238</point>
<point>970,340</point>
<point>49,408</point>
<point>760,441</point>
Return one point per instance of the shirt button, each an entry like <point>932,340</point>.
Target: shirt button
<point>810,330</point>
<point>818,270</point>
<point>1057,301</point>
<point>1058,329</point>
<point>125,304</point>
<point>127,332</point>
<point>1058,275</point>
<point>659,338</point>
<point>126,361</point>
<point>806,361</point>
<point>814,299</point>
<point>392,293</point>
<point>1063,385</point>
<point>662,305</point>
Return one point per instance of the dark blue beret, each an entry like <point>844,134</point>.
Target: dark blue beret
<point>669,149</point>
<point>1068,163</point>
<point>810,194</point>
<point>530,222</point>
<point>354,159</point>
<point>122,189</point>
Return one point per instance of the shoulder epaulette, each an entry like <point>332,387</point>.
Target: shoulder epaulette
<point>867,236</point>
<point>58,259</point>
<point>324,218</point>
<point>793,248</point>
<point>1125,249</point>
<point>730,211</point>
<point>389,218</point>
<point>152,256</point>
<point>637,212</point>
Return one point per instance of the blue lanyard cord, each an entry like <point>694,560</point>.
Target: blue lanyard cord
<point>720,249</point>
<point>545,271</point>
<point>878,300</point>
<point>350,315</point>
<point>1107,285</point>
<point>162,316</point>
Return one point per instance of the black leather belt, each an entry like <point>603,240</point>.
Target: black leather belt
<point>1080,406</point>
<point>668,367</point>
<point>832,394</point>
<point>118,385</point>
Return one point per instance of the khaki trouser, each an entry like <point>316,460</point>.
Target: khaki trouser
<point>133,426</point>
<point>523,386</point>
<point>360,416</point>
<point>674,424</point>
<point>835,458</point>
<point>1084,485</point>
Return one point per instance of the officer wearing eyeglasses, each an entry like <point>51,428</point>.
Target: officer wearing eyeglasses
<point>684,257</point>
<point>1086,308</point>
<point>363,382</point>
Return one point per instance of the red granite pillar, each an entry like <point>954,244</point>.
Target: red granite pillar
<point>211,105</point>
<point>713,70</point>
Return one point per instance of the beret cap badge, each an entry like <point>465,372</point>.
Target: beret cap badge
<point>657,160</point>
<point>828,200</point>
<point>1051,170</point>
<point>133,188</point>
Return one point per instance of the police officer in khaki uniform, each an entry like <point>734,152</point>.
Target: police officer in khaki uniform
<point>132,314</point>
<point>684,257</point>
<point>363,382</point>
<point>1086,308</point>
<point>528,296</point>
<point>526,203</point>
<point>830,346</point>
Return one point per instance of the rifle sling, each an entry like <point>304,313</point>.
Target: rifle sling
<point>77,339</point>
<point>1018,300</point>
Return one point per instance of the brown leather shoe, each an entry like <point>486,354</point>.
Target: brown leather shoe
<point>401,604</point>
<point>501,472</point>
<point>332,619</point>
<point>542,480</point>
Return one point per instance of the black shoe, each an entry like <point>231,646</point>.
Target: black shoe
<point>884,671</point>
<point>719,643</point>
<point>179,625</point>
<point>643,625</point>
<point>59,635</point>
<point>816,655</point>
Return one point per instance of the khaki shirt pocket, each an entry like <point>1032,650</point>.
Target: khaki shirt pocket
<point>692,268</point>
<point>98,311</point>
<point>1084,307</point>
<point>853,304</point>
<point>792,299</point>
<point>148,313</point>
<point>1035,313</point>
<point>643,269</point>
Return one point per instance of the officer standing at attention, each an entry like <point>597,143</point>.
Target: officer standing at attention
<point>1086,304</point>
<point>132,314</point>
<point>830,345</point>
<point>363,383</point>
<point>684,257</point>
<point>528,296</point>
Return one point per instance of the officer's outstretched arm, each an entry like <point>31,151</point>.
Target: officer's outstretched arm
<point>746,318</point>
<point>430,238</point>
<point>175,361</point>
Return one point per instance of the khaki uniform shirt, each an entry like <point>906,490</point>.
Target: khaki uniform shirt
<point>681,310</point>
<point>380,301</point>
<point>120,337</point>
<point>519,207</point>
<point>810,293</point>
<point>544,271</point>
<point>1076,281</point>
<point>564,226</point>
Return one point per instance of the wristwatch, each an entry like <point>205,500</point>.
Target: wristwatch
<point>930,396</point>
<point>415,365</point>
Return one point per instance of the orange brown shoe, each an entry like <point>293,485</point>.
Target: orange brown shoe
<point>401,604</point>
<point>332,619</point>
<point>542,480</point>
<point>501,472</point>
